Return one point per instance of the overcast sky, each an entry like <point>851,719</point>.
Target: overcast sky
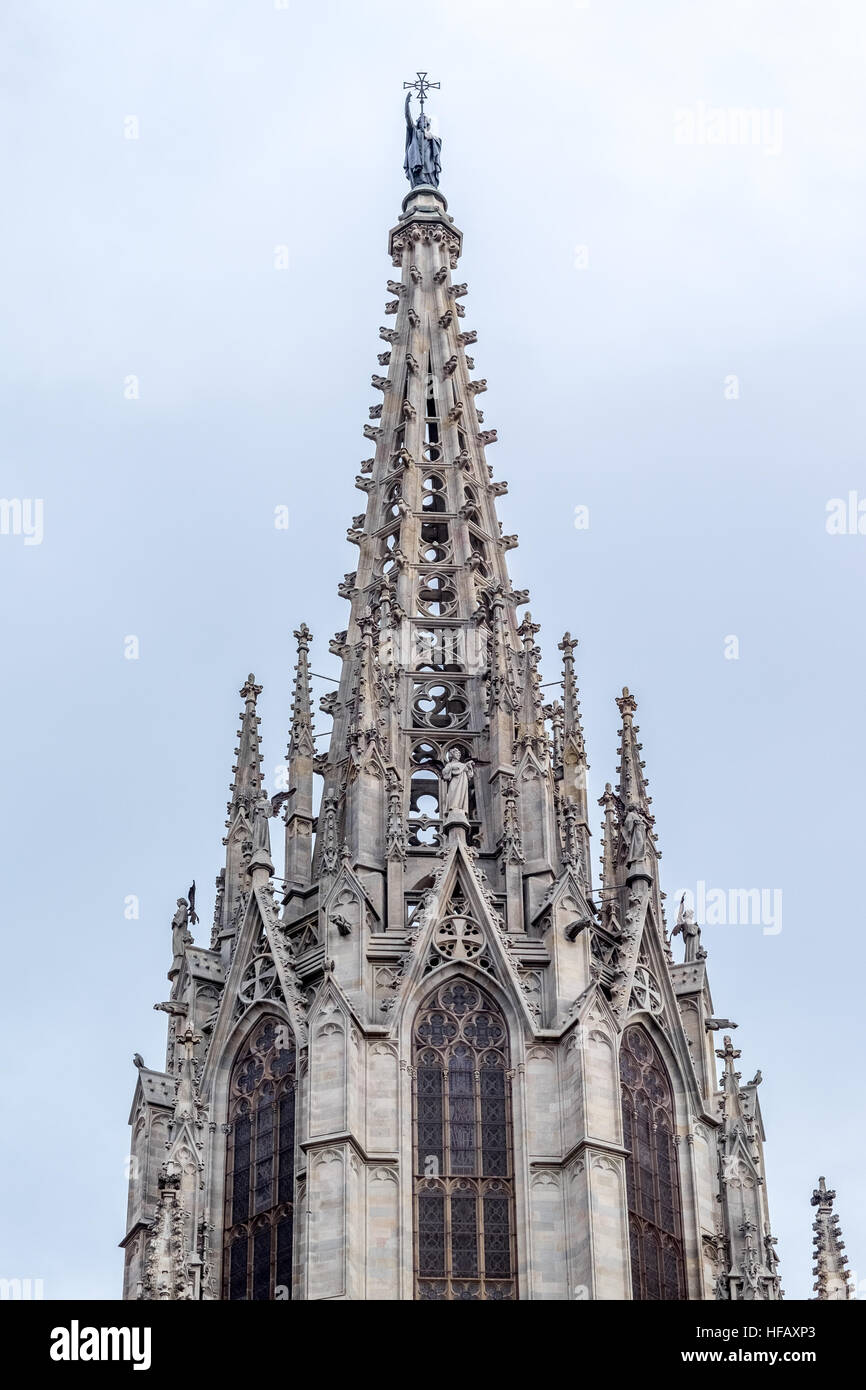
<point>670,321</point>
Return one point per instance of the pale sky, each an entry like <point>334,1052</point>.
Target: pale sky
<point>619,279</point>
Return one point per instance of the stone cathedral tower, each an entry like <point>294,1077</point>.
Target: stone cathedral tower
<point>434,1061</point>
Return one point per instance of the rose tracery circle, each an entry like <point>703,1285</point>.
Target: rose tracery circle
<point>458,938</point>
<point>258,979</point>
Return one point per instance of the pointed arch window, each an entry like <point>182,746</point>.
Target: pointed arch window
<point>433,493</point>
<point>432,440</point>
<point>260,1167</point>
<point>463,1152</point>
<point>652,1171</point>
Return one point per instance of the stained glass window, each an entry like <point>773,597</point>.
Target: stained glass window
<point>652,1176</point>
<point>260,1164</point>
<point>464,1177</point>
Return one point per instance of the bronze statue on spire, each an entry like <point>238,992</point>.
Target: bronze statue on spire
<point>422,163</point>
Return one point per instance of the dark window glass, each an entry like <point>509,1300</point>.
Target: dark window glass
<point>652,1176</point>
<point>260,1162</point>
<point>497,1252</point>
<point>461,1097</point>
<point>464,1179</point>
<point>264,1194</point>
<point>241,1174</point>
<point>464,1235</point>
<point>284,1258</point>
<point>262,1263</point>
<point>287,1147</point>
<point>237,1281</point>
<point>431,1234</point>
<point>429,1084</point>
<point>494,1119</point>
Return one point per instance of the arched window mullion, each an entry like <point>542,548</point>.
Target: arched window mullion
<point>463,1029</point>
<point>259,1202</point>
<point>655,1206</point>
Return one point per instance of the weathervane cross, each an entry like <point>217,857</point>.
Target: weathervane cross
<point>422,87</point>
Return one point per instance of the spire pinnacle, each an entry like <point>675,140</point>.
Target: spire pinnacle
<point>185,1101</point>
<point>572,764</point>
<point>608,856</point>
<point>626,703</point>
<point>365,721</point>
<point>636,850</point>
<point>502,690</point>
<point>571,726</point>
<point>245,791</point>
<point>531,731</point>
<point>823,1196</point>
<point>247,771</point>
<point>632,786</point>
<point>298,811</point>
<point>301,735</point>
<point>249,691</point>
<point>831,1282</point>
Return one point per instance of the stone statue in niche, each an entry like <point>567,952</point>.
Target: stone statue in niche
<point>262,811</point>
<point>634,830</point>
<point>456,775</point>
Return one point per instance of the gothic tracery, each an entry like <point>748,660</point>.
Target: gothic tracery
<point>260,1165</point>
<point>655,1225</point>
<point>453,833</point>
<point>464,1199</point>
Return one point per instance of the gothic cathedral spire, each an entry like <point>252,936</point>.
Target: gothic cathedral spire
<point>432,1066</point>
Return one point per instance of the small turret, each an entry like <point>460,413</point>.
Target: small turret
<point>831,1276</point>
<point>301,752</point>
<point>245,792</point>
<point>530,718</point>
<point>574,767</point>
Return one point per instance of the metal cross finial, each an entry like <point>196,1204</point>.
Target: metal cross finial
<point>422,87</point>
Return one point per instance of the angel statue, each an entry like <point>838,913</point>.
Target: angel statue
<point>263,809</point>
